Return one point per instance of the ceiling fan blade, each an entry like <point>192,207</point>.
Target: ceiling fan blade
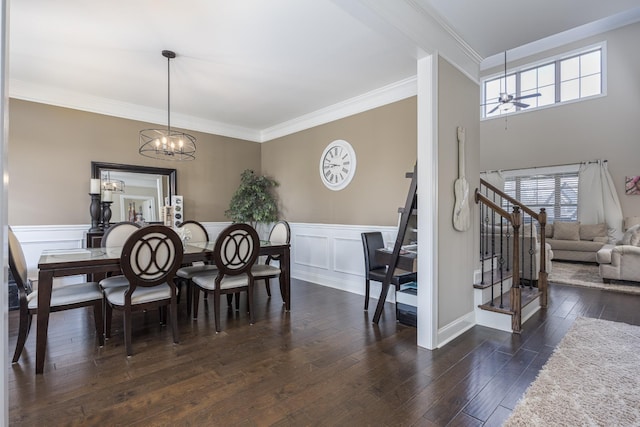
<point>520,104</point>
<point>494,109</point>
<point>527,96</point>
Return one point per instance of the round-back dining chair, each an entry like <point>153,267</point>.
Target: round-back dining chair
<point>235,251</point>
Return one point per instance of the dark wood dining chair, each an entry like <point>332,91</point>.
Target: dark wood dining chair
<point>114,239</point>
<point>372,241</point>
<point>149,261</point>
<point>280,234</point>
<point>194,233</point>
<point>236,250</point>
<point>62,298</point>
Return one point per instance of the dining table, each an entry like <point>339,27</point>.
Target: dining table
<point>99,261</point>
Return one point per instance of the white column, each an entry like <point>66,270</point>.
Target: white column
<point>428,201</point>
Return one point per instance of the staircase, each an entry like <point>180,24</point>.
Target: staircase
<point>511,283</point>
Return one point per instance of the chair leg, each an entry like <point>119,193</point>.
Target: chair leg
<point>190,286</point>
<point>108,314</point>
<point>229,300</point>
<point>173,309</point>
<point>127,331</point>
<point>23,331</point>
<point>98,316</point>
<point>162,312</point>
<point>237,295</point>
<point>196,302</point>
<point>266,283</point>
<point>282,286</point>
<point>216,309</point>
<point>252,319</point>
<point>366,294</point>
<point>179,283</point>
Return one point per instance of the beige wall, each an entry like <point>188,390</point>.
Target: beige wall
<point>384,140</point>
<point>602,128</point>
<point>458,100</point>
<point>50,154</point>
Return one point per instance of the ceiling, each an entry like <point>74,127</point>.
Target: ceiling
<point>257,69</point>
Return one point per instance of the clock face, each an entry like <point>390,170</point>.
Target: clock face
<point>337,165</point>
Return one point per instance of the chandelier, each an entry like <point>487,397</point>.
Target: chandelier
<point>114,185</point>
<point>167,144</point>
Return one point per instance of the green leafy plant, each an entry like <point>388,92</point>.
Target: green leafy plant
<point>253,201</point>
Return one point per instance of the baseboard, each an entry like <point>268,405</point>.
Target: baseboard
<point>455,329</point>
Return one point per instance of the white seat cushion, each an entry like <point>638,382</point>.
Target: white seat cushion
<point>140,296</point>
<point>208,281</point>
<point>69,294</point>
<point>114,282</point>
<point>263,270</point>
<point>189,272</point>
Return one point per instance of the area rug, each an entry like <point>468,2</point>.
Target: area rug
<point>587,275</point>
<point>591,379</point>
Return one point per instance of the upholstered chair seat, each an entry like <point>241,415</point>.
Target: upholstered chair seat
<point>140,296</point>
<point>69,295</point>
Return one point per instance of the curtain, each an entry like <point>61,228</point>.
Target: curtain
<point>597,198</point>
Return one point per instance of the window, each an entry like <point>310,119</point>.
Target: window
<point>557,80</point>
<point>556,191</point>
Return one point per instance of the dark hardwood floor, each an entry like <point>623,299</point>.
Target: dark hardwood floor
<point>324,363</point>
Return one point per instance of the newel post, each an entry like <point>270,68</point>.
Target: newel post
<point>516,300</point>
<point>542,280</point>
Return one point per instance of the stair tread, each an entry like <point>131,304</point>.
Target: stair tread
<point>528,296</point>
<point>491,277</point>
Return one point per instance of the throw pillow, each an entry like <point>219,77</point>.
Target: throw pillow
<point>589,231</point>
<point>626,238</point>
<point>635,238</point>
<point>566,230</point>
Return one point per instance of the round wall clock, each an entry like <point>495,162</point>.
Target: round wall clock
<point>337,165</point>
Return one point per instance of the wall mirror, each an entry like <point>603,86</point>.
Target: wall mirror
<point>143,191</point>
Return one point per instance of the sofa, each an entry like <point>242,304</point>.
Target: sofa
<point>573,241</point>
<point>621,261</point>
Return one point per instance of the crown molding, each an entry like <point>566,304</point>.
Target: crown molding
<point>61,98</point>
<point>79,101</point>
<point>566,37</point>
<point>391,93</point>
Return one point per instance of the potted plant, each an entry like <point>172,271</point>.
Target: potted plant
<point>253,202</point>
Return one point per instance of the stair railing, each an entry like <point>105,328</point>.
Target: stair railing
<point>509,240</point>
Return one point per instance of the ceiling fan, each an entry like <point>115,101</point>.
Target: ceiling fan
<point>506,98</point>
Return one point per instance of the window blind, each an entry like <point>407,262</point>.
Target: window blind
<point>556,192</point>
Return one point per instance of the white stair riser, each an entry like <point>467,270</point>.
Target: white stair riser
<point>502,321</point>
<point>482,296</point>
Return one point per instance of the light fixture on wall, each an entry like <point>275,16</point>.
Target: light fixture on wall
<point>167,144</point>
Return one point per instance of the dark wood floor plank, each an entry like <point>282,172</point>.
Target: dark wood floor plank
<point>483,404</point>
<point>324,363</point>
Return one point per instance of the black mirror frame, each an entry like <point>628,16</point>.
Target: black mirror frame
<point>97,167</point>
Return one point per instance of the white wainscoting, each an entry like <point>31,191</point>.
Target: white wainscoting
<point>332,255</point>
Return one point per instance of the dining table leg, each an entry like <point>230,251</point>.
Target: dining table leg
<point>45,282</point>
